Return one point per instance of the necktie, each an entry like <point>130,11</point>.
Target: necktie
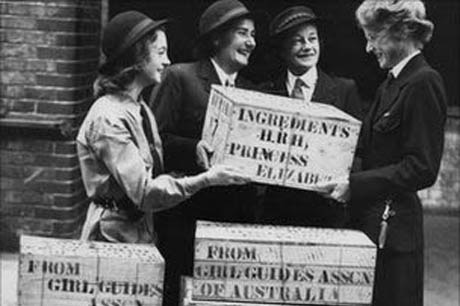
<point>147,127</point>
<point>297,92</point>
<point>389,81</point>
<point>384,96</point>
<point>229,84</point>
<point>387,86</point>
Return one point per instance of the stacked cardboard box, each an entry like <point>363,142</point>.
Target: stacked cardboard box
<point>56,272</point>
<point>253,264</point>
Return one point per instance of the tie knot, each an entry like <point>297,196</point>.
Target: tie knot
<point>389,80</point>
<point>297,91</point>
<point>299,83</point>
<point>229,83</point>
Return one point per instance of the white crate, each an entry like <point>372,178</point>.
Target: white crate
<point>56,272</point>
<point>282,265</point>
<point>187,299</point>
<point>279,140</point>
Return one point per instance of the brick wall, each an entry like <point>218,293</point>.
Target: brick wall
<point>49,53</point>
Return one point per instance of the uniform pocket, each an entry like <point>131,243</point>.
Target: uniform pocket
<point>387,124</point>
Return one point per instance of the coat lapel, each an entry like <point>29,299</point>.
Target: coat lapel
<point>388,94</point>
<point>325,89</point>
<point>279,86</point>
<point>324,92</point>
<point>208,74</point>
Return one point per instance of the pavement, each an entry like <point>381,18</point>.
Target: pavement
<point>442,264</point>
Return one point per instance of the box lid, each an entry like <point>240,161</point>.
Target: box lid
<point>282,103</point>
<point>281,234</point>
<point>68,247</point>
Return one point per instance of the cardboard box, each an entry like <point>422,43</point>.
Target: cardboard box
<point>75,273</point>
<point>279,140</point>
<point>282,265</point>
<point>187,299</point>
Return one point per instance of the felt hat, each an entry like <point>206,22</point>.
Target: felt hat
<point>219,13</point>
<point>123,31</point>
<point>290,18</point>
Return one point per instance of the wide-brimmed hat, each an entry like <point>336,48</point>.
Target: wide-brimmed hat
<point>290,18</point>
<point>220,13</point>
<point>123,31</point>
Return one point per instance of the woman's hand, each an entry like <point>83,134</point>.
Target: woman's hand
<point>225,175</point>
<point>203,154</point>
<point>338,190</point>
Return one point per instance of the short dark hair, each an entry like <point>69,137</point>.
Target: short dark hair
<point>121,73</point>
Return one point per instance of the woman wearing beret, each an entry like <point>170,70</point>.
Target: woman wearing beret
<point>294,35</point>
<point>225,43</point>
<point>118,144</point>
<point>401,146</point>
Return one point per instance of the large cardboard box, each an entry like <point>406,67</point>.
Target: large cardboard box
<point>187,297</point>
<point>282,265</point>
<point>279,140</point>
<point>56,272</point>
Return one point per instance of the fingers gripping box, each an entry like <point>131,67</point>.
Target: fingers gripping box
<point>279,140</point>
<point>72,272</point>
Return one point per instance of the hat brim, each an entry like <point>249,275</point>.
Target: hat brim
<point>131,40</point>
<point>318,21</point>
<point>257,16</point>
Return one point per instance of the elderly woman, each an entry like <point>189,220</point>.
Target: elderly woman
<point>118,144</point>
<point>401,147</point>
<point>296,39</point>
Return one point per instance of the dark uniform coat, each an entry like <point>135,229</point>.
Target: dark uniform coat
<point>288,206</point>
<point>179,104</point>
<point>401,145</point>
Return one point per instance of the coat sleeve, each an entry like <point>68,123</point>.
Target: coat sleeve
<point>112,143</point>
<point>422,140</point>
<point>167,105</point>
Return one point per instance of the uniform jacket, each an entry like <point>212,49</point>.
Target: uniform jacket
<point>401,144</point>
<point>296,207</point>
<point>180,104</point>
<point>116,161</point>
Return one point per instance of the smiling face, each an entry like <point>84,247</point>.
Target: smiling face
<point>236,46</point>
<point>388,50</point>
<point>157,58</point>
<point>301,49</point>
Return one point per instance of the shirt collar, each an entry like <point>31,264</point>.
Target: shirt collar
<point>396,70</point>
<point>223,76</point>
<point>309,78</point>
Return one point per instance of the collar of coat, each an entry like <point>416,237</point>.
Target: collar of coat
<point>325,90</point>
<point>208,75</point>
<point>394,89</point>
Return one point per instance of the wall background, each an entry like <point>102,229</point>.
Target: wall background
<point>49,53</point>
